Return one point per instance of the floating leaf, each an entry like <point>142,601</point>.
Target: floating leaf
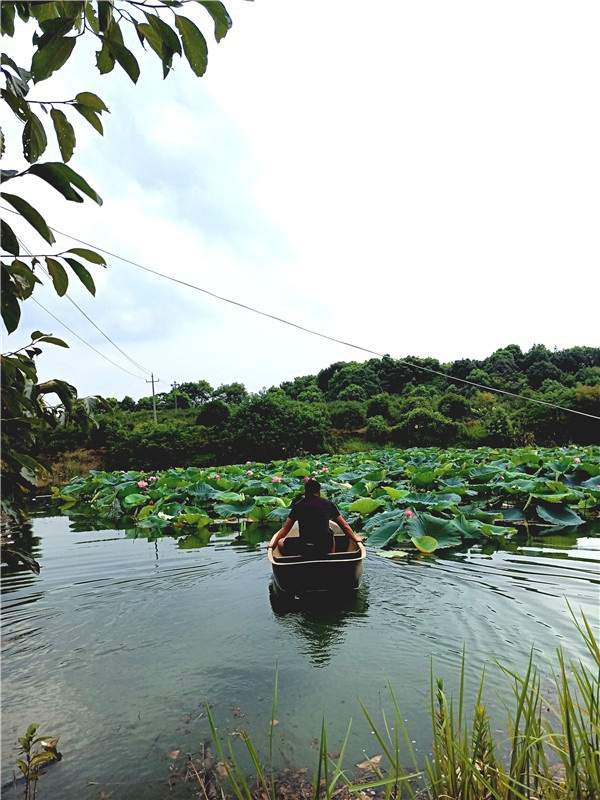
<point>425,544</point>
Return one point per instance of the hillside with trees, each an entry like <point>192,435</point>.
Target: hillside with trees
<point>510,398</point>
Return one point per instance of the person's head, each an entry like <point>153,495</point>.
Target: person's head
<point>312,487</point>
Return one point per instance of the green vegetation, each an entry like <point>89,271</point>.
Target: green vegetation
<point>424,498</point>
<point>404,404</point>
<point>119,27</point>
<point>38,752</point>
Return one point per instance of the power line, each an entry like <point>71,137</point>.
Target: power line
<point>91,321</point>
<point>323,335</point>
<point>84,341</point>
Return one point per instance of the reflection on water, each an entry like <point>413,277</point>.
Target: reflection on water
<point>119,642</point>
<point>318,621</point>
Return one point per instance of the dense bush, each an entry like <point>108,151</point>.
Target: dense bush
<point>270,425</point>
<point>377,430</point>
<point>215,413</point>
<point>152,447</point>
<point>423,427</point>
<point>347,416</point>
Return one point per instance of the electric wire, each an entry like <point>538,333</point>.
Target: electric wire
<point>326,336</point>
<point>35,300</point>
<point>91,321</point>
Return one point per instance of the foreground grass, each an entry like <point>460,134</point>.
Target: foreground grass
<point>553,748</point>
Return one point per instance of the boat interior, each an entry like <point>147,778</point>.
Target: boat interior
<point>344,546</point>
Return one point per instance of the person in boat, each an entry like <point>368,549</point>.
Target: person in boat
<point>312,512</point>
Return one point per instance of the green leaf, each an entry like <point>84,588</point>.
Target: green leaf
<point>385,534</point>
<point>7,11</point>
<point>63,178</point>
<point>166,33</point>
<point>133,500</point>
<point>220,17</point>
<point>52,340</point>
<point>91,116</point>
<point>89,255</point>
<point>559,516</point>
<point>123,57</point>
<point>29,213</point>
<point>34,139</point>
<point>83,275</point>
<point>425,544</point>
<point>240,509</point>
<point>104,59</point>
<point>59,276</point>
<point>64,133</point>
<point>11,311</point>
<point>365,506</point>
<point>9,240</point>
<point>194,45</point>
<point>51,57</point>
<point>91,101</point>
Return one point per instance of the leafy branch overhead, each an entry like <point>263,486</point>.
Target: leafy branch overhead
<point>120,27</point>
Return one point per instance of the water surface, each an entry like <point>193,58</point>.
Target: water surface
<point>119,644</point>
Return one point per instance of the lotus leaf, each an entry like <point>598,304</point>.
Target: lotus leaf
<point>425,544</point>
<point>385,534</point>
<point>395,494</point>
<point>559,516</point>
<point>240,509</point>
<point>134,499</point>
<point>365,506</point>
<point>392,553</point>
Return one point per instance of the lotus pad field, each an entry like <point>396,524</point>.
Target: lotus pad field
<point>424,498</point>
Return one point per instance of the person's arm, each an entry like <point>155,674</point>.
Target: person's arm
<point>281,533</point>
<point>347,529</point>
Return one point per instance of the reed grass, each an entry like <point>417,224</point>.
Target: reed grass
<point>553,747</point>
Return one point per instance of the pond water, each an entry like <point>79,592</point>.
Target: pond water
<point>119,643</point>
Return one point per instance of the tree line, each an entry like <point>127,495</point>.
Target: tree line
<point>510,398</point>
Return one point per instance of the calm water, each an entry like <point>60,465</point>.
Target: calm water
<point>118,644</point>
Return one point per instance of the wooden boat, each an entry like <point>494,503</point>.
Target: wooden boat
<point>338,572</point>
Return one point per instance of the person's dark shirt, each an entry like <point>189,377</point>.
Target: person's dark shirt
<point>313,514</point>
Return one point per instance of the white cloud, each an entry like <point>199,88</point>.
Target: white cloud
<point>416,179</point>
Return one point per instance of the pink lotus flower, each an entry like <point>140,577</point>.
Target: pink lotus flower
<point>217,477</point>
<point>577,460</point>
<point>276,479</point>
<point>306,478</point>
<point>142,484</point>
<point>248,463</point>
<point>250,473</point>
<point>324,469</point>
<point>408,513</point>
<point>152,478</point>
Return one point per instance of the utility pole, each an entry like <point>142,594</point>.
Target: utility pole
<point>153,380</point>
<point>175,386</point>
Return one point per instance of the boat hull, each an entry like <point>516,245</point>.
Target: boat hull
<point>336,572</point>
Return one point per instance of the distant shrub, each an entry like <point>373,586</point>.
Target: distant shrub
<point>454,406</point>
<point>377,430</point>
<point>423,428</point>
<point>347,416</point>
<point>380,405</point>
<point>214,413</point>
<point>352,392</point>
<point>151,447</point>
<point>270,426</point>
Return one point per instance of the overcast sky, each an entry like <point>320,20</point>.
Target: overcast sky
<point>412,178</point>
